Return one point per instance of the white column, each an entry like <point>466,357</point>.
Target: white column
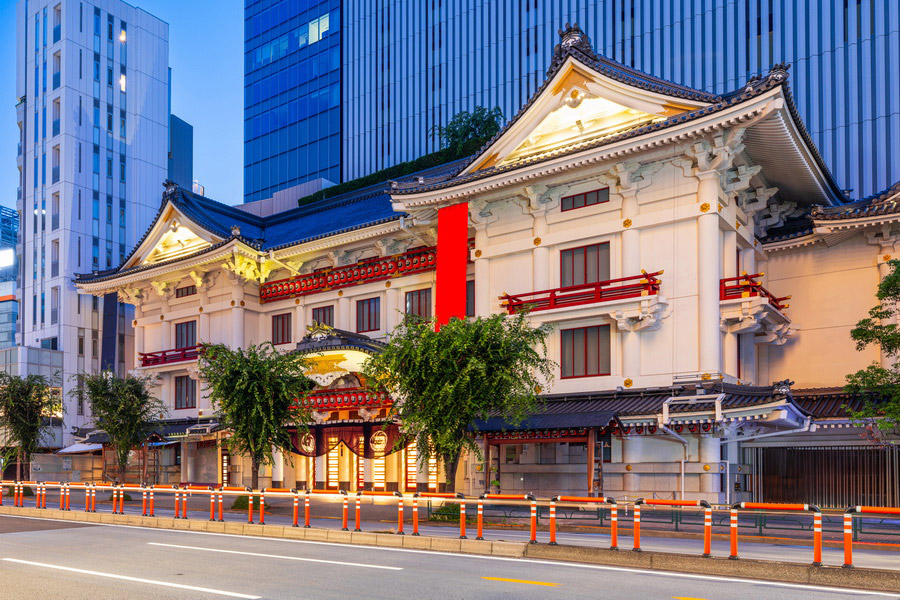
<point>344,320</point>
<point>302,469</point>
<point>277,469</point>
<point>483,300</point>
<point>237,315</point>
<point>631,237</point>
<point>320,471</point>
<point>299,320</point>
<point>710,273</point>
<point>748,359</point>
<point>709,455</point>
<point>631,354</point>
<point>392,310</point>
<point>632,450</point>
<point>541,253</point>
<point>203,332</point>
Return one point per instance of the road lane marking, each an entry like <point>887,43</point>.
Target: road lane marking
<point>834,590</point>
<point>180,586</point>
<point>261,555</point>
<point>522,581</point>
<point>685,598</point>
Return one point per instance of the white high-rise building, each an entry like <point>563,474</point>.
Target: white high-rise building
<point>93,113</point>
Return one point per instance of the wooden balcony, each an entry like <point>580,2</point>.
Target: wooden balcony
<point>646,284</point>
<point>166,357</point>
<point>748,286</point>
<point>347,398</point>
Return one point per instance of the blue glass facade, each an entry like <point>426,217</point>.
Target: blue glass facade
<point>409,65</point>
<point>292,94</point>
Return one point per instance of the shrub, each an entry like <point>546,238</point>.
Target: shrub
<point>27,491</point>
<point>126,496</point>
<point>240,503</point>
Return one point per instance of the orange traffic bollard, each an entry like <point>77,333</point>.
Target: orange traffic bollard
<point>613,525</point>
<point>152,503</point>
<point>533,519</point>
<point>637,528</point>
<point>415,512</point>
<point>480,534</point>
<point>734,533</point>
<point>553,522</point>
<point>344,511</point>
<point>212,504</point>
<point>399,513</point>
<point>707,520</point>
<point>817,539</point>
<point>358,511</point>
<point>707,532</point>
<point>462,520</point>
<point>296,508</point>
<point>306,510</point>
<point>848,539</point>
<point>262,506</point>
<point>249,506</point>
<point>221,502</point>
<point>144,502</point>
<point>817,523</point>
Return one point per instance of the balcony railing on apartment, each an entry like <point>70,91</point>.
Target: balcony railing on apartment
<point>748,286</point>
<point>165,357</point>
<point>55,80</point>
<point>346,398</point>
<point>55,126</point>
<point>57,33</point>
<point>646,284</point>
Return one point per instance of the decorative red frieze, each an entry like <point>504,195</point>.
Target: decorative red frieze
<point>376,269</point>
<point>646,284</point>
<point>535,434</point>
<point>347,398</point>
<point>165,357</point>
<point>746,286</point>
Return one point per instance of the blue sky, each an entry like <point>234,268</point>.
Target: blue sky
<point>206,56</point>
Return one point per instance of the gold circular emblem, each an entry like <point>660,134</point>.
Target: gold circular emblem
<point>200,309</point>
<point>387,284</point>
<point>627,467</point>
<point>161,317</point>
<point>627,223</point>
<point>340,293</point>
<point>706,467</point>
<point>242,302</point>
<point>628,383</point>
<point>478,254</point>
<point>134,323</point>
<point>704,207</point>
<point>887,257</point>
<point>232,302</point>
<point>297,301</point>
<point>308,443</point>
<point>537,241</point>
<point>379,441</point>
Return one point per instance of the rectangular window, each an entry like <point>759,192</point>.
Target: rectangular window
<point>183,292</point>
<point>281,329</point>
<point>587,264</point>
<point>367,314</point>
<point>324,315</point>
<point>185,392</point>
<point>186,334</point>
<point>586,199</point>
<point>470,298</point>
<point>584,352</point>
<point>419,303</point>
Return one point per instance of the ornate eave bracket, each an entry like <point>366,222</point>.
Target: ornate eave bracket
<point>645,315</point>
<point>755,315</point>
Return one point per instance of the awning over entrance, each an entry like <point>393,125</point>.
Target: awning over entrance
<point>550,421</point>
<point>80,448</point>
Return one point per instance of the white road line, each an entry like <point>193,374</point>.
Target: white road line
<point>500,558</point>
<point>261,555</point>
<point>180,586</point>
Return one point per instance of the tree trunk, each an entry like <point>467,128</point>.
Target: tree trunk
<point>19,460</point>
<point>451,463</point>
<point>254,476</point>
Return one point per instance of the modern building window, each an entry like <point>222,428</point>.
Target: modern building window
<point>584,352</point>
<point>183,292</point>
<point>470,298</point>
<point>586,264</point>
<point>324,315</point>
<point>81,343</point>
<point>186,334</point>
<point>185,392</point>
<point>368,312</point>
<point>418,303</point>
<point>586,199</point>
<point>281,329</point>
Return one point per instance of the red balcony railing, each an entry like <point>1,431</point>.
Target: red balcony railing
<point>414,261</point>
<point>746,286</point>
<point>346,398</point>
<point>646,284</point>
<point>165,357</point>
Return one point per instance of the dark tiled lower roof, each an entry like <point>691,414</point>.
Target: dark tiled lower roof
<point>886,202</point>
<point>829,403</point>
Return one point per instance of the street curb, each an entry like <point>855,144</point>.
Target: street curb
<point>869,579</point>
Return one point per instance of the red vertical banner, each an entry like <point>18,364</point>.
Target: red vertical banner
<point>452,258</point>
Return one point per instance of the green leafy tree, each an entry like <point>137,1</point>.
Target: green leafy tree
<point>879,386</point>
<point>258,392</point>
<point>26,406</point>
<point>124,408</point>
<point>472,369</point>
<point>468,130</point>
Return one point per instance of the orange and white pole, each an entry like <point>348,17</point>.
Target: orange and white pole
<point>734,533</point>
<point>344,512</point>
<point>177,501</point>
<point>68,497</point>
<point>533,519</point>
<point>707,532</point>
<point>358,511</point>
<point>817,539</point>
<point>415,512</point>
<point>553,521</point>
<point>93,498</point>
<point>152,507</point>
<point>249,506</point>
<point>306,510</point>
<point>480,533</point>
<point>212,504</point>
<point>296,508</point>
<point>614,526</point>
<point>262,506</point>
<point>144,502</point>
<point>462,519</point>
<point>637,528</point>
<point>399,514</point>
<point>848,539</point>
<point>221,504</point>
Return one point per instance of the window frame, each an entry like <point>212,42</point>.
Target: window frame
<point>416,297</point>
<point>185,291</point>
<point>193,322</point>
<point>192,395</point>
<point>584,195</point>
<point>584,247</point>
<point>562,352</point>
<point>278,326</point>
<point>328,309</point>
<point>372,316</point>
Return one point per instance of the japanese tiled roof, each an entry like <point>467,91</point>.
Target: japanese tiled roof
<point>338,339</point>
<point>166,429</point>
<point>886,202</point>
<point>582,51</point>
<point>829,403</point>
<point>793,229</point>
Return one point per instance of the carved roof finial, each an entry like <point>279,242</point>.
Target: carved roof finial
<point>171,187</point>
<point>573,37</point>
<point>235,231</point>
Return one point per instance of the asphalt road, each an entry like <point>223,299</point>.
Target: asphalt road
<point>48,560</point>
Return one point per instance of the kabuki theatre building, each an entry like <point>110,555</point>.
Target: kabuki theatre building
<point>698,263</point>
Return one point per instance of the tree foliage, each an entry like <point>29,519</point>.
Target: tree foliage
<point>879,386</point>
<point>25,403</point>
<point>481,124</point>
<point>258,392</point>
<point>446,380</point>
<point>124,408</point>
